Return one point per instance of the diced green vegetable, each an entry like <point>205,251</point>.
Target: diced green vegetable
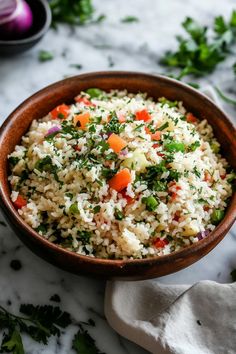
<point>217,216</point>
<point>118,214</point>
<point>151,203</point>
<point>232,177</point>
<point>164,101</point>
<point>137,162</point>
<point>73,209</point>
<point>94,92</point>
<point>175,146</point>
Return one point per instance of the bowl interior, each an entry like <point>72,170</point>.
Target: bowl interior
<point>45,100</point>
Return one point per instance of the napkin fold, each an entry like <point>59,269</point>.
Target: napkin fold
<point>175,319</point>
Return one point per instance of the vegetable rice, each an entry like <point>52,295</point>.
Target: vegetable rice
<point>118,175</point>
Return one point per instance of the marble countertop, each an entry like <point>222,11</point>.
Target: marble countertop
<point>111,45</point>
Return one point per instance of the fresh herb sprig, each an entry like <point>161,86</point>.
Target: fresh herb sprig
<point>73,12</point>
<point>40,323</point>
<point>197,54</point>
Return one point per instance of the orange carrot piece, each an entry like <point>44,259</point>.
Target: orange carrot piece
<point>154,136</point>
<point>61,112</point>
<point>121,118</point>
<point>20,202</point>
<point>81,120</point>
<point>142,115</point>
<point>121,180</point>
<point>116,143</point>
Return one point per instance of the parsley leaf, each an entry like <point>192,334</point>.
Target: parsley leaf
<point>129,19</point>
<point>44,55</point>
<point>83,343</point>
<point>197,54</point>
<point>12,342</point>
<point>71,12</point>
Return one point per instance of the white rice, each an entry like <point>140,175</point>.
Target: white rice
<point>69,200</point>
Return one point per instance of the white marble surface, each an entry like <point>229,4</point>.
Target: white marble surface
<point>134,46</point>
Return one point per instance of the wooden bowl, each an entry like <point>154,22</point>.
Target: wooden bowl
<point>44,101</point>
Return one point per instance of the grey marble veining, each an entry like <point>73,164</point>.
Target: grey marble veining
<point>110,45</point>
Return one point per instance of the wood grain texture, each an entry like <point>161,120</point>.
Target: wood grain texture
<point>64,91</point>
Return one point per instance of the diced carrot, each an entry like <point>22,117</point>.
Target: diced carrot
<point>121,180</point>
<point>129,200</point>
<point>81,120</point>
<point>158,243</point>
<point>84,100</point>
<point>156,136</point>
<point>191,118</point>
<point>61,112</point>
<point>121,118</point>
<point>116,143</point>
<point>20,202</point>
<point>142,115</point>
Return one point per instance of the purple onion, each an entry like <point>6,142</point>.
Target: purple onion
<point>124,152</point>
<point>16,19</point>
<point>203,234</point>
<point>53,130</point>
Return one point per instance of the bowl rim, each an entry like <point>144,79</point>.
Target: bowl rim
<point>38,34</point>
<point>215,235</point>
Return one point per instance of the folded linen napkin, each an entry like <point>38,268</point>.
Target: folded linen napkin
<point>175,319</point>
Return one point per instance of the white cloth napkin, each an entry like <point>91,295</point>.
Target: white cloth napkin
<point>175,319</point>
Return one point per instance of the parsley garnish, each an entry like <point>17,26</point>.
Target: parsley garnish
<point>83,343</point>
<point>13,160</point>
<point>39,322</point>
<point>114,125</point>
<point>129,19</point>
<point>71,12</point>
<point>197,54</point>
<point>44,55</point>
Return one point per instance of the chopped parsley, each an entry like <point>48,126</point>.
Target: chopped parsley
<point>13,160</point>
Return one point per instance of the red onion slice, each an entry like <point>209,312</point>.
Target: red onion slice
<point>203,234</point>
<point>124,152</point>
<point>53,130</point>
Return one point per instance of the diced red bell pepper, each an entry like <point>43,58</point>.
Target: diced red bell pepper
<point>158,243</point>
<point>143,115</point>
<point>127,197</point>
<point>191,118</point>
<point>60,112</point>
<point>84,100</point>
<point>223,176</point>
<point>20,202</point>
